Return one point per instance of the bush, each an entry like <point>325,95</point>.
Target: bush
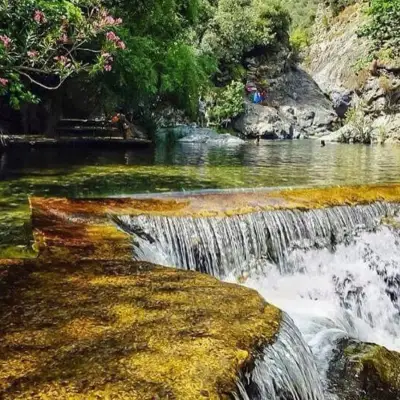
<point>228,103</point>
<point>44,42</point>
<point>237,27</point>
<point>300,39</point>
<point>355,117</point>
<point>384,28</point>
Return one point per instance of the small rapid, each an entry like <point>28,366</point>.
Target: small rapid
<point>334,272</point>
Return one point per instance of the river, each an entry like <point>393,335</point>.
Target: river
<point>334,271</point>
<point>177,167</point>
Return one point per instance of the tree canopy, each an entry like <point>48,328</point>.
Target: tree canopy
<point>139,52</point>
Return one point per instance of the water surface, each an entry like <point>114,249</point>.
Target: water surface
<point>178,167</point>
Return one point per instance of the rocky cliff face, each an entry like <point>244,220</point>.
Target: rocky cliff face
<point>338,61</point>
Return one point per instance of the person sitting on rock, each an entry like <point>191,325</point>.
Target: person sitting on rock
<point>123,125</point>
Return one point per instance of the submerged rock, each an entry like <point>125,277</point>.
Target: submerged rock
<point>211,138</point>
<point>364,371</point>
<point>194,134</point>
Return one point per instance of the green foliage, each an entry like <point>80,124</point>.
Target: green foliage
<point>228,102</point>
<point>384,27</point>
<point>173,48</point>
<point>185,75</point>
<point>161,62</point>
<point>302,12</point>
<point>356,119</point>
<point>300,39</point>
<point>42,43</point>
<point>239,26</point>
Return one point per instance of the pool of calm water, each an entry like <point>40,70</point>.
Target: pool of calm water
<point>177,167</point>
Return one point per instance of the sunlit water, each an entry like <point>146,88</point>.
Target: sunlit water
<point>178,167</point>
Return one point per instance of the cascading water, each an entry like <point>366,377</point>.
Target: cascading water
<point>285,371</point>
<point>334,271</point>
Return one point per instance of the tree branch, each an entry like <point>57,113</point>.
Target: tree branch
<point>62,80</point>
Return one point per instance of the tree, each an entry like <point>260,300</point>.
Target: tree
<point>44,42</point>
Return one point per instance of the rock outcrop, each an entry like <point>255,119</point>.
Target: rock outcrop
<point>336,49</point>
<point>338,61</point>
<point>295,107</point>
<point>363,371</point>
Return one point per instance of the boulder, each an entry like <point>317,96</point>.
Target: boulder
<point>295,107</point>
<point>263,121</point>
<point>386,129</point>
<point>364,371</point>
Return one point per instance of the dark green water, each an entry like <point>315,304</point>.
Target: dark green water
<point>74,173</point>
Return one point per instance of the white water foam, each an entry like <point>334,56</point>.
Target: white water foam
<point>353,291</point>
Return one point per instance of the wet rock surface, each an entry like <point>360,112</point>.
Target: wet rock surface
<point>363,371</point>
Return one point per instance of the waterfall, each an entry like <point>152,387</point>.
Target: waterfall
<point>220,246</point>
<point>286,370</point>
<point>334,271</point>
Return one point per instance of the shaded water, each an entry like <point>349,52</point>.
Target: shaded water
<point>178,167</point>
<point>334,271</point>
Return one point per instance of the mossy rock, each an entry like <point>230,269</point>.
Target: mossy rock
<point>364,371</point>
<point>128,330</point>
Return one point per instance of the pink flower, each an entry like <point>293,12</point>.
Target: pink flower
<point>108,67</point>
<point>63,60</point>
<point>109,20</point>
<point>112,37</point>
<point>118,21</point>
<point>39,17</point>
<point>3,82</point>
<point>32,53</point>
<point>5,40</point>
<point>121,45</point>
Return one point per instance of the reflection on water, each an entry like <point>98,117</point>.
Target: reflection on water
<point>177,167</point>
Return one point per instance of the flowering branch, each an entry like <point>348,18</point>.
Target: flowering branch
<point>52,43</point>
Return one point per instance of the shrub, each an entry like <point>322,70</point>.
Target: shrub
<point>355,117</point>
<point>300,39</point>
<point>228,103</point>
<point>44,42</point>
<point>384,27</point>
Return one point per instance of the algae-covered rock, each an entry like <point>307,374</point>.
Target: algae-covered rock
<point>364,371</point>
<point>86,322</point>
<point>102,330</point>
